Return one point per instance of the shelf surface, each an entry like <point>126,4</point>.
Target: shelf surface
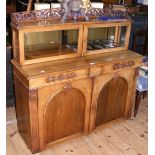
<point>45,68</point>
<point>36,52</point>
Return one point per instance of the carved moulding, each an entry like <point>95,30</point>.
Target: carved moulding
<point>55,14</point>
<point>124,64</point>
<point>52,14</point>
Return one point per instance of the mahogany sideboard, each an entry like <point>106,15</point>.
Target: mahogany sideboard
<point>71,77</point>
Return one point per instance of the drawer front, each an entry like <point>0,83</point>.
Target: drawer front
<point>121,65</point>
<point>83,73</point>
<point>95,71</point>
<point>60,77</point>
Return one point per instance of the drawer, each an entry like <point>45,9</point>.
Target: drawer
<point>59,77</point>
<point>121,65</point>
<point>95,71</point>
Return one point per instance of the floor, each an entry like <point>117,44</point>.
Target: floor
<point>127,137</point>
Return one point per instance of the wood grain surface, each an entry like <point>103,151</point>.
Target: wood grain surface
<point>127,137</point>
<point>111,101</point>
<point>26,112</point>
<point>64,114</point>
<point>60,96</point>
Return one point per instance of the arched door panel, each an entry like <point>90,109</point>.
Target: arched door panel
<point>111,101</point>
<point>64,115</point>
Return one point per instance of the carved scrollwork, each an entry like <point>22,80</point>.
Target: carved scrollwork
<point>123,64</point>
<point>55,14</point>
<point>60,77</point>
<point>94,12</point>
<point>50,79</point>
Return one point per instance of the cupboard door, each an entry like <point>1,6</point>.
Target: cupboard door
<point>111,101</point>
<point>63,110</point>
<point>64,115</point>
<point>113,96</point>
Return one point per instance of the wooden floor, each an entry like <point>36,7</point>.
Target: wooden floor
<point>127,137</point>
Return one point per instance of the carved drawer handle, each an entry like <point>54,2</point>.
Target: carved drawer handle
<point>60,77</point>
<point>50,79</point>
<point>124,64</point>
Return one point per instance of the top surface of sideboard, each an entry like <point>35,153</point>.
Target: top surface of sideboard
<point>45,68</point>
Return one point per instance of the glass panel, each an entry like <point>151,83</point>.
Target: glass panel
<point>122,35</point>
<point>103,38</point>
<point>100,38</point>
<point>50,43</point>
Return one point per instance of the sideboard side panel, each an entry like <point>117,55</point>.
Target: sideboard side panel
<point>22,111</point>
<point>26,113</point>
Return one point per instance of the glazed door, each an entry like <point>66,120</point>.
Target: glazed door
<point>63,110</point>
<point>112,97</point>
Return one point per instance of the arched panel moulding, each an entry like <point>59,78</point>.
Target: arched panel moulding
<point>111,101</point>
<point>64,115</point>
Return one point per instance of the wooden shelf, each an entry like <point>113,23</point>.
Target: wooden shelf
<point>36,52</point>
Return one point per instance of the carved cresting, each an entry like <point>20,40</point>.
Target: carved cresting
<point>55,14</point>
<point>60,77</point>
<point>123,64</point>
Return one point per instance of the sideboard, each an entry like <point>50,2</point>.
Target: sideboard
<point>71,77</point>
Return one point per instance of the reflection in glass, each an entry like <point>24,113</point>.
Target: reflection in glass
<point>104,38</point>
<point>122,34</point>
<point>50,43</point>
